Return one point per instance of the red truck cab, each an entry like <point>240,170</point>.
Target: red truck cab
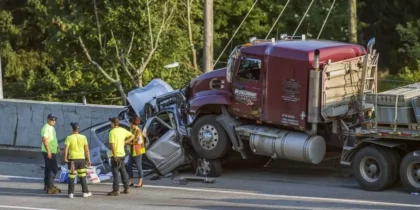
<point>268,81</point>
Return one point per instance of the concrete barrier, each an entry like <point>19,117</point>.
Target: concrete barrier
<point>21,120</point>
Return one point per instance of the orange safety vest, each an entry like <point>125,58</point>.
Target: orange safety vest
<point>138,149</point>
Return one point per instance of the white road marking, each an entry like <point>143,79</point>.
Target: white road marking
<point>21,177</point>
<point>281,197</point>
<point>21,207</point>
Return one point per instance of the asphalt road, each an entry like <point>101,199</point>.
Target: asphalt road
<point>262,188</point>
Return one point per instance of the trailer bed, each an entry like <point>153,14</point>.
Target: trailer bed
<point>403,132</point>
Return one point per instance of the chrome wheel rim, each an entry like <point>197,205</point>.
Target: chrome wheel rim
<point>203,166</point>
<point>208,137</point>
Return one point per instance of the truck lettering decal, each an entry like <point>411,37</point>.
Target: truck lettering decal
<point>291,91</point>
<point>246,97</point>
<point>289,119</point>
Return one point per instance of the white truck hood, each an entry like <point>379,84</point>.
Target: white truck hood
<point>140,96</point>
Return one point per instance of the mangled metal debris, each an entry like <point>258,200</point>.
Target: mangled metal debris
<point>185,179</point>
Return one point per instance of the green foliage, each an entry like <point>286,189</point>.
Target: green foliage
<point>410,38</point>
<point>43,59</point>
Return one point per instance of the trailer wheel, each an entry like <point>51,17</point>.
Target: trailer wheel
<point>372,169</point>
<point>209,139</point>
<point>395,160</point>
<point>209,168</point>
<point>410,172</point>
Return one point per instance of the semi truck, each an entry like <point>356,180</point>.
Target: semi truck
<point>295,99</point>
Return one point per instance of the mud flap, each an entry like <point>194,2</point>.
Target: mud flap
<point>229,123</point>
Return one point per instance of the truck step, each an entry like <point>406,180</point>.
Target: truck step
<point>347,148</point>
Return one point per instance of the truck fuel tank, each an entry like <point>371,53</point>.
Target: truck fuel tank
<point>285,144</point>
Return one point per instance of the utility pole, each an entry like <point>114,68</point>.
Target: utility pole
<point>353,21</point>
<point>1,79</point>
<point>208,36</point>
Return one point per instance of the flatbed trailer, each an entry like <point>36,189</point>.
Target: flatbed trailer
<point>386,149</point>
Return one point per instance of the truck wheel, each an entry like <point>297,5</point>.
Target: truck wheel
<point>209,139</point>
<point>410,172</point>
<point>209,168</point>
<point>372,169</point>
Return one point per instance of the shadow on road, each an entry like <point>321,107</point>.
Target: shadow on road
<point>4,191</point>
<point>294,204</point>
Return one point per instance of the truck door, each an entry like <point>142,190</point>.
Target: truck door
<point>246,87</point>
<point>164,148</point>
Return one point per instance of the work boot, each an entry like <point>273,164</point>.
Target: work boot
<point>53,191</point>
<point>114,193</point>
<point>59,190</point>
<point>125,191</point>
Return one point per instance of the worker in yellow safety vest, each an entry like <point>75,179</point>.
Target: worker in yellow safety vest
<point>74,155</point>
<point>50,149</point>
<point>137,149</point>
<point>117,138</point>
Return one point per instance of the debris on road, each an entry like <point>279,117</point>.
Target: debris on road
<point>186,179</point>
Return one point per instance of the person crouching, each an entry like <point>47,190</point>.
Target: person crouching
<point>74,155</point>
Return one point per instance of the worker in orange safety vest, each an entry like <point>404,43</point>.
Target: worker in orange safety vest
<point>137,149</point>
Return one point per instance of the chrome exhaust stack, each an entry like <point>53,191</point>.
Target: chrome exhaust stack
<point>314,99</point>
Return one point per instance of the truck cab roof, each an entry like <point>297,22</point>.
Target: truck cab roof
<point>303,50</point>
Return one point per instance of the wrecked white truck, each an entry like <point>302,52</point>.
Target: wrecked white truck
<point>167,150</point>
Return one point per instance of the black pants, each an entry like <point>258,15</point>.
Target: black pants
<point>80,168</point>
<point>118,167</point>
<point>50,169</point>
<point>137,160</point>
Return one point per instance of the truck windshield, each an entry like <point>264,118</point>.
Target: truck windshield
<point>231,62</point>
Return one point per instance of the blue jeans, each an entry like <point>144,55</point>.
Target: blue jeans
<point>137,160</point>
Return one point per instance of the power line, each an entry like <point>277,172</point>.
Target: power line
<point>275,22</point>
<point>332,5</point>
<point>227,45</point>
<point>307,10</point>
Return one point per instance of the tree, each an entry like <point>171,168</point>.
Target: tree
<point>410,38</point>
<point>25,61</point>
<point>106,22</point>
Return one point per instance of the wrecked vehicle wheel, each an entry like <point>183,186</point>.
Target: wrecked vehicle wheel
<point>209,168</point>
<point>209,139</point>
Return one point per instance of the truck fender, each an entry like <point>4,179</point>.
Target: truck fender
<point>209,97</point>
<point>347,156</point>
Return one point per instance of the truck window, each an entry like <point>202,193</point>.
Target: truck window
<point>168,118</point>
<point>249,68</point>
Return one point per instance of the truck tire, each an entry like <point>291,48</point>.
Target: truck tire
<point>372,169</point>
<point>209,168</point>
<point>410,172</point>
<point>209,138</point>
<point>393,157</point>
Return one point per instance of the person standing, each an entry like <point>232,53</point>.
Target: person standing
<point>137,149</point>
<point>74,155</point>
<point>117,138</point>
<point>49,149</point>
